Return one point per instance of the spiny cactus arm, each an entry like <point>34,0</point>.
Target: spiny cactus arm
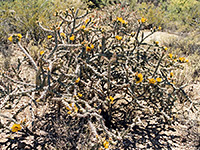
<point>92,129</point>
<point>96,72</point>
<point>44,93</point>
<point>82,16</point>
<point>160,60</point>
<point>11,119</point>
<point>20,110</point>
<point>27,54</point>
<point>43,28</point>
<point>143,38</point>
<point>56,46</point>
<point>69,45</point>
<point>65,20</point>
<point>22,92</point>
<point>18,82</point>
<point>3,102</point>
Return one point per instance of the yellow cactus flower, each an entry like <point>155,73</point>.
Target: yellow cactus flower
<point>88,49</point>
<point>170,55</point>
<point>133,34</point>
<point>139,78</point>
<point>186,60</point>
<point>123,21</point>
<point>143,20</point>
<point>16,127</point>
<point>111,99</point>
<point>165,48</point>
<point>126,22</point>
<point>83,27</point>
<point>77,80</point>
<point>106,144</point>
<point>86,21</point>
<point>159,28</point>
<point>49,36</point>
<point>72,37</point>
<point>19,36</point>
<point>80,95</point>
<point>10,38</point>
<point>156,42</point>
<point>158,79</point>
<point>41,52</point>
<point>152,81</point>
<point>119,19</point>
<point>182,59</point>
<point>118,37</point>
<point>69,112</point>
<point>171,74</point>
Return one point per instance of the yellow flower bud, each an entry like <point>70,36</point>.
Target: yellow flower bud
<point>72,37</point>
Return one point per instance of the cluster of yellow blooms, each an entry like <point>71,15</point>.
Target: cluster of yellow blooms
<point>106,144</point>
<point>181,59</point>
<point>118,37</point>
<point>142,20</point>
<point>165,48</point>
<point>139,78</point>
<point>153,81</point>
<point>15,37</point>
<point>120,19</point>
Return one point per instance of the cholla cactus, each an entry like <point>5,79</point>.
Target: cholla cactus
<point>99,70</point>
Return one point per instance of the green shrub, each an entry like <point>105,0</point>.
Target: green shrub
<point>176,15</point>
<point>21,16</point>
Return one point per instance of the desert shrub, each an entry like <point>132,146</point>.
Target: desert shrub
<point>101,83</point>
<point>155,13</point>
<point>184,13</point>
